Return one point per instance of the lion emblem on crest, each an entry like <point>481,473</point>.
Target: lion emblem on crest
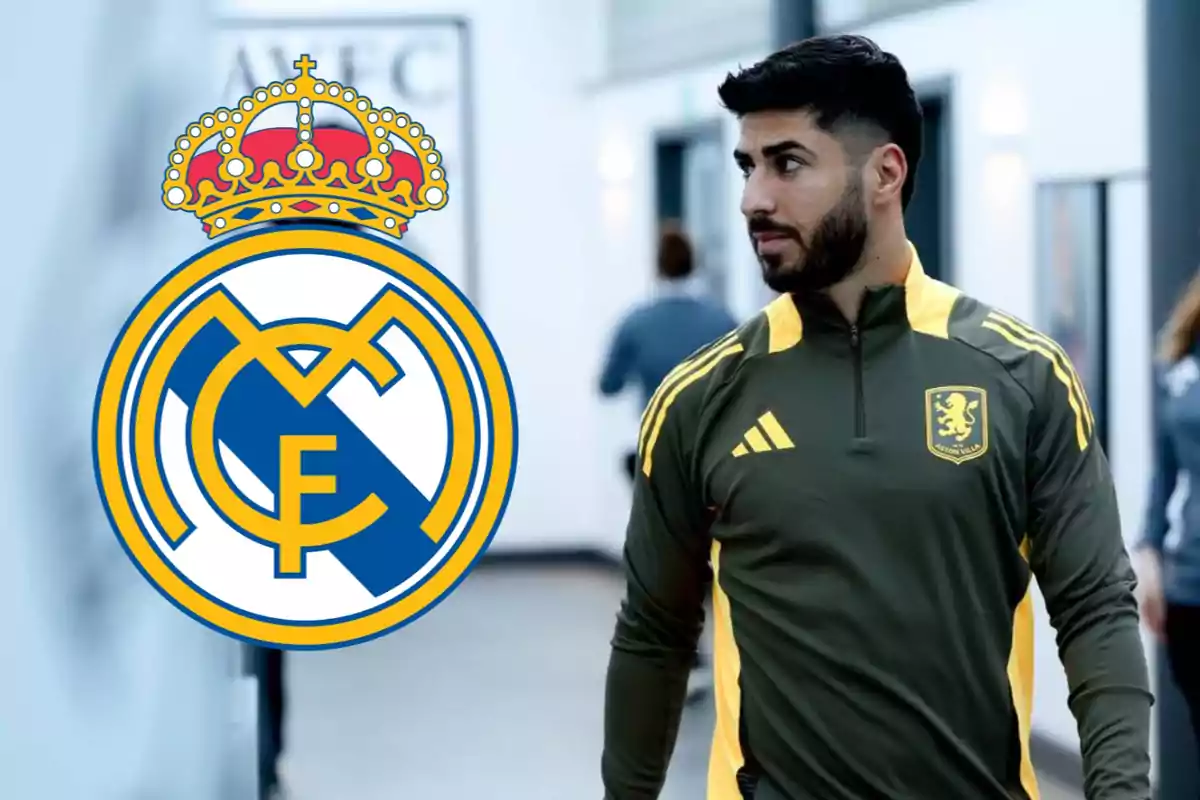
<point>956,416</point>
<point>956,422</point>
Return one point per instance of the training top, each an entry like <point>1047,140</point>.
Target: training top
<point>869,503</point>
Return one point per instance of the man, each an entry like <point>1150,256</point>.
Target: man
<point>652,340</point>
<point>876,467</point>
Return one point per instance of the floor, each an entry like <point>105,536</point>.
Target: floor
<point>496,694</point>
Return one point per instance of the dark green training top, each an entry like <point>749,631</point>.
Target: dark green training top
<point>869,503</point>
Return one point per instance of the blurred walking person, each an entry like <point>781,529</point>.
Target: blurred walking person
<point>1169,576</point>
<point>654,338</point>
<point>269,670</point>
<point>657,336</point>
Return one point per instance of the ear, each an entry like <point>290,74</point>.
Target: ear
<point>888,168</point>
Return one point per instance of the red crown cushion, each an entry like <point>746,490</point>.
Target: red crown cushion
<point>334,144</point>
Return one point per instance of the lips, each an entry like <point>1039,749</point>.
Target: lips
<point>771,242</point>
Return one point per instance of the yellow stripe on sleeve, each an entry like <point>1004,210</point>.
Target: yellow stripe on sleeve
<point>1033,336</point>
<point>1032,347</point>
<point>1020,678</point>
<point>684,381</point>
<point>651,410</point>
<point>725,754</point>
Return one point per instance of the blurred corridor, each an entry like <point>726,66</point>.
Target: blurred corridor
<point>1057,181</point>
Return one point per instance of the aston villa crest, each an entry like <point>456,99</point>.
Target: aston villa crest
<point>956,422</point>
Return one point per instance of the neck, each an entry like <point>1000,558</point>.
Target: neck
<point>885,260</point>
<point>672,287</point>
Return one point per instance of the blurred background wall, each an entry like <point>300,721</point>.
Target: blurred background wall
<point>108,692</point>
<point>507,81</point>
<point>577,126</point>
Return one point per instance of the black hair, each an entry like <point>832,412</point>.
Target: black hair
<point>675,258</point>
<point>844,80</point>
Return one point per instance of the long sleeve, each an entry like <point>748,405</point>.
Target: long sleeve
<point>1083,569</point>
<point>660,620</point>
<point>617,364</point>
<point>1162,484</point>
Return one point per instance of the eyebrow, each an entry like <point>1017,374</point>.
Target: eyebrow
<point>775,149</point>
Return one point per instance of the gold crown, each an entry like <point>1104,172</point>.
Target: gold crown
<point>305,172</point>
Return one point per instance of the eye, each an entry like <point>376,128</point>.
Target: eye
<point>788,164</point>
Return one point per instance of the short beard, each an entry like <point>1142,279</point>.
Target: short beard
<point>831,255</point>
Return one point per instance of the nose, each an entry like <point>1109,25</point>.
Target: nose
<point>757,199</point>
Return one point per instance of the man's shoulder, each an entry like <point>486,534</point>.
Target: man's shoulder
<point>1032,357</point>
<point>657,312</point>
<point>713,308</point>
<point>724,361</point>
<point>709,366</point>
<point>705,372</point>
<point>676,409</point>
<point>775,328</point>
<point>637,315</point>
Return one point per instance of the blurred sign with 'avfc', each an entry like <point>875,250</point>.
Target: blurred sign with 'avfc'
<point>416,65</point>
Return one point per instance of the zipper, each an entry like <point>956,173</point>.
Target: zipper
<point>860,411</point>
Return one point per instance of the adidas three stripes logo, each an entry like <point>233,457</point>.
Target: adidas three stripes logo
<point>765,435</point>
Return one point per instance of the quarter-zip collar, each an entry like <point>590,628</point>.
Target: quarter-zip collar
<point>882,306</point>
<point>886,311</point>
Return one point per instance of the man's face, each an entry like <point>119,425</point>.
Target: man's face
<point>803,201</point>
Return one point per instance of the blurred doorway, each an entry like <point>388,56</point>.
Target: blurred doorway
<point>690,184</point>
<point>927,217</point>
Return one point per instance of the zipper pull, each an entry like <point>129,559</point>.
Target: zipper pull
<point>854,336</point>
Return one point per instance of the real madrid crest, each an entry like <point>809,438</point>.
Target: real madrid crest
<point>305,436</point>
<point>956,422</point>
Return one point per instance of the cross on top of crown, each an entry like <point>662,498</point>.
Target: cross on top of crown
<point>305,65</point>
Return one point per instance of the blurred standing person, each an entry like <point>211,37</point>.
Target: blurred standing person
<point>268,664</point>
<point>108,691</point>
<point>1170,577</point>
<point>269,669</point>
<point>653,339</point>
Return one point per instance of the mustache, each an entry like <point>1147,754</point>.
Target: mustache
<point>767,225</point>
